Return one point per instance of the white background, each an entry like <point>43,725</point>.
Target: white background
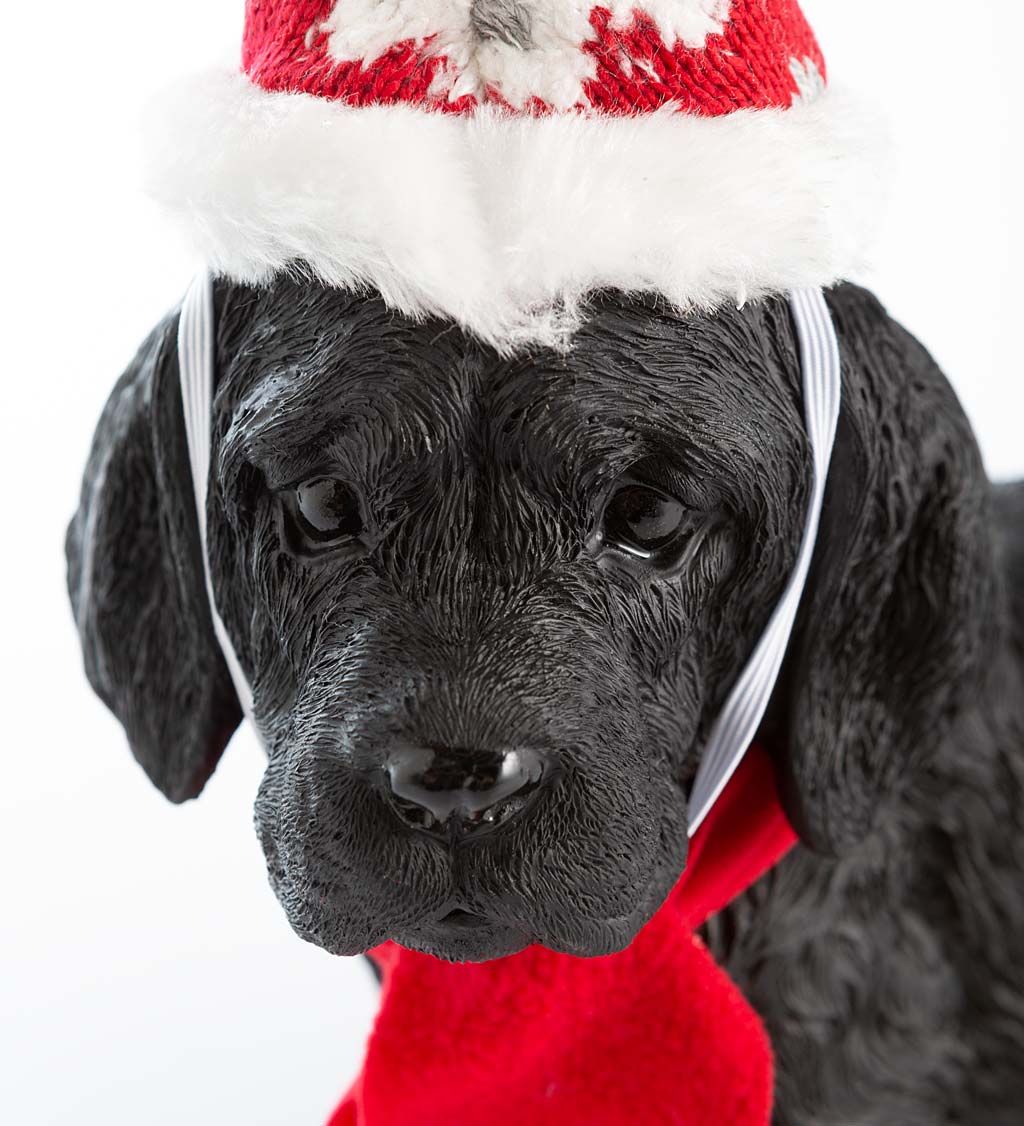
<point>148,974</point>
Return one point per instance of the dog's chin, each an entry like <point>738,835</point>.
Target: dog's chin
<point>483,942</point>
<point>461,937</point>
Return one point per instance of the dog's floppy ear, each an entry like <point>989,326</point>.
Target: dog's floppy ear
<point>888,640</point>
<point>135,576</point>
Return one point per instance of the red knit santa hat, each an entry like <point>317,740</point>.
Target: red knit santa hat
<point>493,161</point>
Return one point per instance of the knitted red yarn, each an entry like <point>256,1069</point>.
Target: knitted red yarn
<point>747,66</point>
<point>657,1034</point>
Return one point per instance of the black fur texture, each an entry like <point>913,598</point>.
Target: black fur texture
<point>483,608</point>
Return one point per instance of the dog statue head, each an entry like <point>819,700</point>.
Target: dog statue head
<point>489,607</point>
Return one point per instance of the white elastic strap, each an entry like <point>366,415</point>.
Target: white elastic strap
<point>195,366</point>
<point>737,725</point>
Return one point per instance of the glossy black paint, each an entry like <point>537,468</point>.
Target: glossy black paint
<point>453,792</point>
<point>485,602</point>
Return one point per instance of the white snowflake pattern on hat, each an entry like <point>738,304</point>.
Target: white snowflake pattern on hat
<point>525,49</point>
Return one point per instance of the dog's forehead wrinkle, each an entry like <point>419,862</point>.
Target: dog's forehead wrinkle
<point>563,414</point>
<point>362,423</point>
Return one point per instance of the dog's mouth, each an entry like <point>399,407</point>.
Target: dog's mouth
<point>458,934</point>
<point>460,919</point>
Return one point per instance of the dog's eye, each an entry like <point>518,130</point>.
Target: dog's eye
<point>323,512</point>
<point>641,520</point>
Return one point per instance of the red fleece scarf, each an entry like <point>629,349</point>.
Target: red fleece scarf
<point>656,1034</point>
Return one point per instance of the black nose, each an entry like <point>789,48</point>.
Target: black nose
<point>459,791</point>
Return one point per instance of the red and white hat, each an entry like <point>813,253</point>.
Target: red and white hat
<point>494,161</point>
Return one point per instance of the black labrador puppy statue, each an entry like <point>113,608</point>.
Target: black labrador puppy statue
<point>537,578</point>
